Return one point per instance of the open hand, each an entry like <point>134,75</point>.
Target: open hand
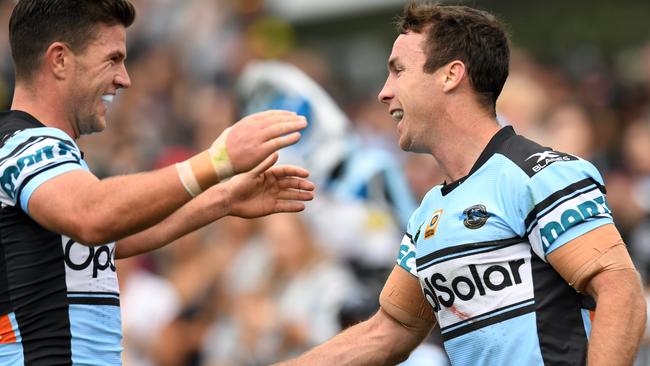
<point>267,190</point>
<point>254,138</point>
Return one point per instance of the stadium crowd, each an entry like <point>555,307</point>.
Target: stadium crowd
<point>252,292</point>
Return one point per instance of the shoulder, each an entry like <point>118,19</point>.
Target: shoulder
<point>17,128</point>
<point>531,157</point>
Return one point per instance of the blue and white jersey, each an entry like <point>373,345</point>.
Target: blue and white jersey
<point>478,247</point>
<point>59,300</point>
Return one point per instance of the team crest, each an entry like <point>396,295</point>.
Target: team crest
<point>433,225</point>
<point>475,216</point>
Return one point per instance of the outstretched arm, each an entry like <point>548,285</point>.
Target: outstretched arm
<point>263,191</point>
<point>94,211</point>
<point>387,338</point>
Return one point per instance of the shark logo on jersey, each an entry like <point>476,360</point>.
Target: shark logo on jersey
<point>475,217</point>
<point>545,158</point>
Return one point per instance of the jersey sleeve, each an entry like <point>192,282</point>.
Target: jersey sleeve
<point>31,157</point>
<point>406,256</point>
<point>561,202</point>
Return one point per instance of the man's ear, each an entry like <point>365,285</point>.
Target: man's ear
<point>454,73</point>
<point>58,60</point>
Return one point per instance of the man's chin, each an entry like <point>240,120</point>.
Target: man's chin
<point>97,125</point>
<point>405,144</point>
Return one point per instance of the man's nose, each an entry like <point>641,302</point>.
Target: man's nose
<point>386,93</point>
<point>122,79</point>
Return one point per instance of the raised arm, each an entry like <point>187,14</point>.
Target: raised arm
<point>404,319</point>
<point>94,211</point>
<point>598,263</point>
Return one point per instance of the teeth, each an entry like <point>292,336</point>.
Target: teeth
<point>108,98</point>
<point>397,115</point>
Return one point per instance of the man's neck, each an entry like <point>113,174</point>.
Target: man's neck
<point>461,144</point>
<point>44,105</point>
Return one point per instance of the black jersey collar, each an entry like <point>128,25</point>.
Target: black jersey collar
<point>21,116</point>
<point>490,149</point>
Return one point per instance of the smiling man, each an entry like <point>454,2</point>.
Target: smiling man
<point>516,254</point>
<point>61,228</point>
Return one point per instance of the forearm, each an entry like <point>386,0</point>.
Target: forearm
<point>379,340</point>
<point>120,206</point>
<point>619,321</point>
<point>204,209</point>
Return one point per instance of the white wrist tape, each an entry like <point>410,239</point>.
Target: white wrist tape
<point>207,168</point>
<point>188,178</point>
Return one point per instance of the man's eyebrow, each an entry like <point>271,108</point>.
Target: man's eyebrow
<point>117,54</point>
<point>392,64</point>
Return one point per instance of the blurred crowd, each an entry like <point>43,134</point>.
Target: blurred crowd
<point>251,292</point>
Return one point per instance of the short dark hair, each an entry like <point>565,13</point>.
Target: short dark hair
<point>462,33</point>
<point>36,24</point>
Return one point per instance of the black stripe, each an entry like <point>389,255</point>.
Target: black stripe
<point>93,293</point>
<point>469,320</point>
<point>5,301</point>
<point>453,257</point>
<point>33,141</point>
<point>37,288</point>
<point>560,330</point>
<point>14,121</point>
<point>21,148</point>
<point>536,220</point>
<point>94,301</point>
<point>553,198</point>
<point>465,247</point>
<point>487,322</point>
<point>36,173</point>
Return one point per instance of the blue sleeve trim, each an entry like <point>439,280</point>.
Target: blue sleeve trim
<point>41,178</point>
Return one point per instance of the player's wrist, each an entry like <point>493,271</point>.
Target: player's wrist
<point>219,157</point>
<point>207,168</point>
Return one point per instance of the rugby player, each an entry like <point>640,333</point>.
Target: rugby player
<point>516,255</point>
<point>61,228</point>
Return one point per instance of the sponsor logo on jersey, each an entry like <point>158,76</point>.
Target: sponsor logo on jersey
<point>468,284</point>
<point>543,159</point>
<point>475,216</point>
<point>432,226</point>
<point>41,157</point>
<point>79,257</point>
<point>406,258</point>
<point>568,217</point>
<point>443,291</point>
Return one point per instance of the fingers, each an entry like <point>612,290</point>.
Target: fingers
<point>264,115</point>
<point>282,141</point>
<point>288,206</point>
<point>295,183</point>
<point>284,127</point>
<point>257,136</point>
<point>289,170</point>
<point>295,195</point>
<point>265,165</point>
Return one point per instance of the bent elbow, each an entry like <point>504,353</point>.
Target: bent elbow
<point>92,233</point>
